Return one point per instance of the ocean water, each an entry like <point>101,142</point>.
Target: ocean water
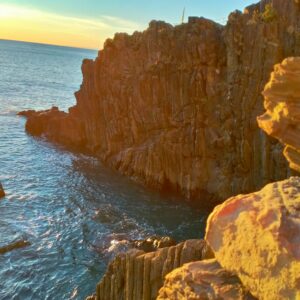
<point>68,206</point>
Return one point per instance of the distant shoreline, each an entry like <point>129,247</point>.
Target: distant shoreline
<point>45,44</point>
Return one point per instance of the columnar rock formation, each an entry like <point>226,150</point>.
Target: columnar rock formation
<point>282,102</point>
<point>137,275</point>
<point>176,107</point>
<point>256,236</point>
<point>203,280</point>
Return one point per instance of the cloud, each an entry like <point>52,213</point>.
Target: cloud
<point>121,23</point>
<point>29,22</point>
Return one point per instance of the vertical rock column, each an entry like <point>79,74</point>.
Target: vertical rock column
<point>137,275</point>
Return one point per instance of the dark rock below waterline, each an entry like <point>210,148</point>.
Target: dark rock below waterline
<point>14,245</point>
<point>2,193</point>
<point>203,280</point>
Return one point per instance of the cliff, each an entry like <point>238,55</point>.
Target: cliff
<point>175,107</point>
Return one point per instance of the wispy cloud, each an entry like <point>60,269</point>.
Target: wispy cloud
<point>121,23</point>
<point>32,22</point>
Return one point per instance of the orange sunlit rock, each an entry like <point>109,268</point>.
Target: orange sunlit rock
<point>203,280</point>
<point>282,102</point>
<point>259,240</point>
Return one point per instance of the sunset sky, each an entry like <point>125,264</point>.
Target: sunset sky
<point>87,23</point>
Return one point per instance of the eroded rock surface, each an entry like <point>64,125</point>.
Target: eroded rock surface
<point>137,275</point>
<point>176,107</point>
<point>282,104</point>
<point>257,237</point>
<point>203,280</point>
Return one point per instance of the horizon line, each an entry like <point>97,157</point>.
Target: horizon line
<point>47,44</point>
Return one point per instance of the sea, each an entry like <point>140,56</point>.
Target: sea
<point>70,208</point>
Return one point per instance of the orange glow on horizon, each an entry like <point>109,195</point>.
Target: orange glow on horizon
<point>30,25</point>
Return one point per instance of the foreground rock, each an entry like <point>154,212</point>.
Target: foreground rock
<point>176,107</point>
<point>137,275</point>
<point>203,280</point>
<point>257,237</point>
<point>2,192</point>
<point>13,246</point>
<point>282,102</point>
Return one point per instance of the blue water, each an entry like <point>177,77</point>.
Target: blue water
<point>67,205</point>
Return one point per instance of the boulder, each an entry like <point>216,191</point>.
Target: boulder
<point>257,238</point>
<point>203,280</point>
<point>282,103</point>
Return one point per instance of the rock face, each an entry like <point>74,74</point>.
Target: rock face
<point>137,275</point>
<point>56,125</point>
<point>2,193</point>
<point>203,280</point>
<point>282,102</point>
<point>176,107</point>
<point>256,236</point>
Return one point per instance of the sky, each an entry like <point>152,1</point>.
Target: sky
<point>87,23</point>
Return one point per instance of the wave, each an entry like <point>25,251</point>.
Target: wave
<point>9,112</point>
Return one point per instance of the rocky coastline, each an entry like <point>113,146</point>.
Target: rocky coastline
<point>175,107</point>
<point>252,240</point>
<point>180,109</point>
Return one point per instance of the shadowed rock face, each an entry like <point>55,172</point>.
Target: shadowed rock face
<point>56,125</point>
<point>176,107</point>
<point>282,102</point>
<point>256,236</point>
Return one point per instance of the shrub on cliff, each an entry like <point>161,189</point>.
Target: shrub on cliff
<point>269,14</point>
